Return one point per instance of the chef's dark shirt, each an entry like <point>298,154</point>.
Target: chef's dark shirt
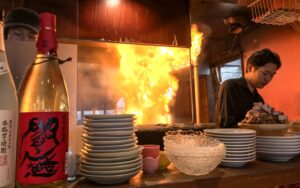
<point>234,100</point>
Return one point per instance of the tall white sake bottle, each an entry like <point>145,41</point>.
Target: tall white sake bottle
<point>8,120</point>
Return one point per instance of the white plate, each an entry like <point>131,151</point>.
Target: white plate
<point>236,141</point>
<point>230,151</point>
<point>251,139</point>
<point>109,142</point>
<point>136,151</point>
<point>240,155</point>
<point>111,168</point>
<point>240,145</point>
<point>102,164</point>
<point>282,157</point>
<point>111,179</point>
<point>278,142</point>
<point>289,137</point>
<point>239,158</point>
<point>108,116</point>
<point>107,138</point>
<point>108,133</point>
<point>282,150</point>
<point>240,149</point>
<point>89,149</point>
<point>230,131</point>
<point>235,164</point>
<point>279,153</point>
<point>110,147</point>
<point>236,136</point>
<point>108,160</point>
<point>110,172</point>
<point>109,120</point>
<point>278,146</point>
<point>107,129</point>
<point>250,158</point>
<point>107,125</point>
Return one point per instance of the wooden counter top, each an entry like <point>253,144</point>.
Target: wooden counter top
<point>255,175</point>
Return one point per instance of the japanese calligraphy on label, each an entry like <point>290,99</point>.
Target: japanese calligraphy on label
<point>7,143</point>
<point>3,69</point>
<point>42,147</point>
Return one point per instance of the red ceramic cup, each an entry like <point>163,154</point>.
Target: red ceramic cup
<point>150,150</point>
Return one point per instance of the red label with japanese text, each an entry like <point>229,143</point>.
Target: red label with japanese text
<point>42,147</point>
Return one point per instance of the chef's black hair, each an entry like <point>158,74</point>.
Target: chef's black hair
<point>264,56</point>
<point>24,17</point>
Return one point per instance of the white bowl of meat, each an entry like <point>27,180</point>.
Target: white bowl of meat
<point>265,120</point>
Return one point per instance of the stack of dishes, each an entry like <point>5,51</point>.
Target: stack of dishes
<point>240,145</point>
<point>277,148</point>
<point>110,153</point>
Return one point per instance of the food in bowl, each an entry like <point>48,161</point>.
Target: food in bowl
<point>264,114</point>
<point>265,120</point>
<point>192,152</point>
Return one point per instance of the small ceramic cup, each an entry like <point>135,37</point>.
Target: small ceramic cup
<point>150,150</point>
<point>150,165</point>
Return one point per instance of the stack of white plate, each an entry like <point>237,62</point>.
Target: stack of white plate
<point>277,148</point>
<point>110,153</point>
<point>240,145</point>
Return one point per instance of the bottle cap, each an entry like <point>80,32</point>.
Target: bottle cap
<point>48,21</point>
<point>47,42</point>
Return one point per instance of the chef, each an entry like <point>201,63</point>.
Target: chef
<point>21,24</point>
<point>237,96</point>
<point>21,27</point>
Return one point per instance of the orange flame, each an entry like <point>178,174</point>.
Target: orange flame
<point>197,38</point>
<point>147,83</point>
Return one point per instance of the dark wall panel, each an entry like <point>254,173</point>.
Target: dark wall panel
<point>161,22</point>
<point>156,22</point>
<point>5,5</point>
